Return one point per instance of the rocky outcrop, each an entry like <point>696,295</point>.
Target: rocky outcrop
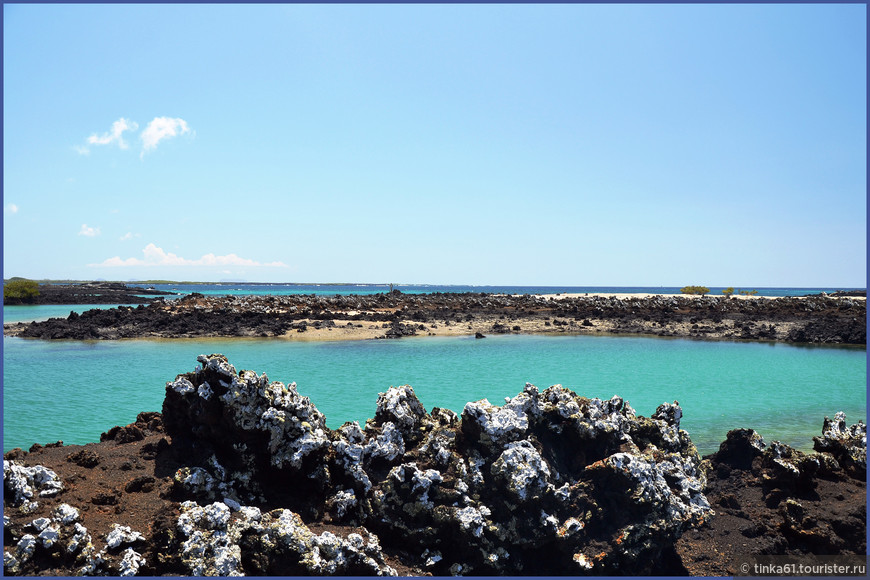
<point>773,499</point>
<point>847,445</point>
<point>549,482</point>
<point>241,475</point>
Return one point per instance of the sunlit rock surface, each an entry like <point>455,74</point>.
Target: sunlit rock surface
<point>548,482</point>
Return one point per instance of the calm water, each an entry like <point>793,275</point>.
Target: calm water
<point>45,311</point>
<point>74,391</point>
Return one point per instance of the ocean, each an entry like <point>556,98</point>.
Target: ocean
<point>75,390</point>
<point>329,289</point>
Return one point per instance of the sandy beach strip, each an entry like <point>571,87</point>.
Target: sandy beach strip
<point>626,296</point>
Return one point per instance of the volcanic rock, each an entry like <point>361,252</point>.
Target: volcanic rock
<point>810,319</point>
<point>784,501</point>
<point>586,482</point>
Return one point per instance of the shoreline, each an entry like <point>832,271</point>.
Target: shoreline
<point>810,319</point>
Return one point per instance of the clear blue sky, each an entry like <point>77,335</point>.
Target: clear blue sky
<point>449,144</point>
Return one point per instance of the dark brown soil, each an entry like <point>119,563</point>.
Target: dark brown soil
<point>828,517</point>
<point>126,479</point>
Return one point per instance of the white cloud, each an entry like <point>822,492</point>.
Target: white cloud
<point>155,256</point>
<point>12,208</point>
<point>129,236</point>
<point>89,232</point>
<point>115,135</point>
<point>159,129</point>
<point>162,128</point>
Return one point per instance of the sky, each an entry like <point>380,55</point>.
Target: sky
<point>642,145</point>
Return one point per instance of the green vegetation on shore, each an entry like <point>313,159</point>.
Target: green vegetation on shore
<point>20,290</point>
<point>695,290</point>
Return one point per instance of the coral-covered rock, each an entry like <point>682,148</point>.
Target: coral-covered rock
<point>59,537</point>
<point>23,484</point>
<point>585,482</point>
<point>214,540</point>
<point>847,445</point>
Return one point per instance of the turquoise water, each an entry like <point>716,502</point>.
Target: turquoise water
<point>330,289</point>
<point>73,391</point>
<point>45,311</point>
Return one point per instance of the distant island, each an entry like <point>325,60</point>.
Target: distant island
<point>21,291</point>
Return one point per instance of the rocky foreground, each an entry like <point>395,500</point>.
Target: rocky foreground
<point>240,475</point>
<point>813,319</point>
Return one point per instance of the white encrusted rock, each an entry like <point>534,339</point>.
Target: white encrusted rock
<point>422,482</point>
<point>79,539</point>
<point>25,547</point>
<point>205,391</point>
<point>848,442</point>
<point>181,385</point>
<point>684,499</point>
<point>25,483</point>
<point>497,424</point>
<point>389,444</point>
<point>400,406</point>
<point>343,502</point>
<point>50,535</point>
<point>218,363</point>
<point>10,563</point>
<point>668,417</point>
<point>130,563</point>
<point>65,514</point>
<point>211,546</point>
<point>473,519</point>
<point>522,468</point>
<point>40,524</point>
<point>121,535</point>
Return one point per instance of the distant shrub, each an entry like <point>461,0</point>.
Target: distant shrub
<point>728,291</point>
<point>747,292</point>
<point>695,290</point>
<point>20,290</point>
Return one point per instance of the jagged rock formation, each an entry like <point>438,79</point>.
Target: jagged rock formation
<point>240,475</point>
<point>549,482</point>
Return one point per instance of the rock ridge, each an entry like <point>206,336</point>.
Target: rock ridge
<point>819,319</point>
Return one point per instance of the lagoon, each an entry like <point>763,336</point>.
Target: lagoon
<point>73,391</point>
